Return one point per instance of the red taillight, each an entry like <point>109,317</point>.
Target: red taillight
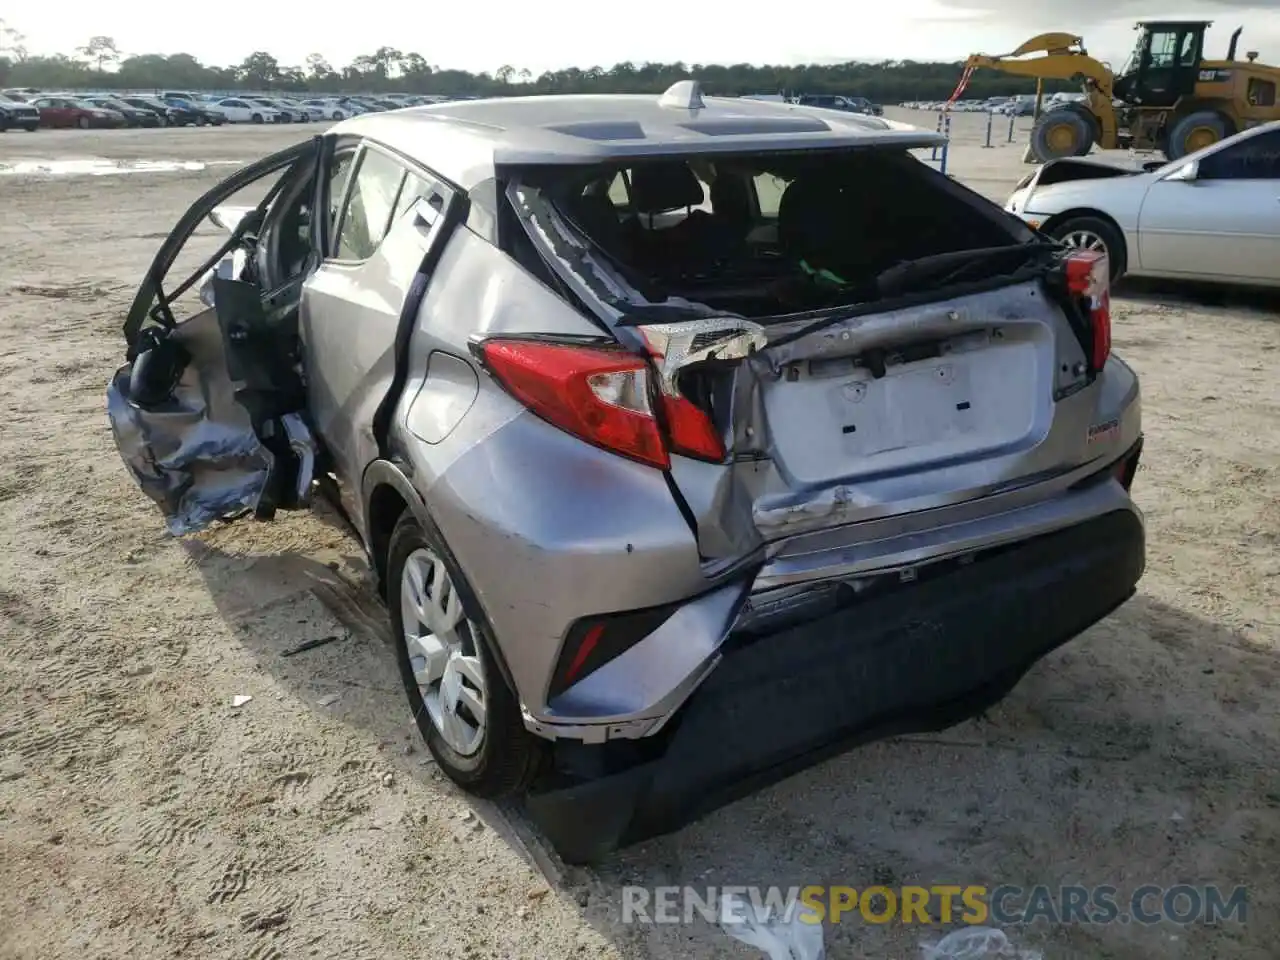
<point>592,642</point>
<point>598,394</point>
<point>1126,468</point>
<point>690,430</point>
<point>586,647</point>
<point>1089,279</point>
<point>601,395</point>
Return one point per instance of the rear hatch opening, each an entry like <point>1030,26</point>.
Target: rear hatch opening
<point>859,332</point>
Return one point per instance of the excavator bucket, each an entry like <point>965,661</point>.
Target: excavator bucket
<point>1049,43</point>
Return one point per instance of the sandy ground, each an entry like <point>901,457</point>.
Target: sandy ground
<point>141,815</point>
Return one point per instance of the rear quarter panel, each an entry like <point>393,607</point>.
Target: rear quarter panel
<point>545,527</point>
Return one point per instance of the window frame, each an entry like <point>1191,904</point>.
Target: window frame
<point>1224,156</point>
<point>362,147</point>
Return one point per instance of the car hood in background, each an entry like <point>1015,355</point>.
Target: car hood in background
<point>1075,180</point>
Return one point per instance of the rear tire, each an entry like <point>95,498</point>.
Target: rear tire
<point>1085,232</point>
<point>1061,133</point>
<point>506,756</point>
<point>1196,131</point>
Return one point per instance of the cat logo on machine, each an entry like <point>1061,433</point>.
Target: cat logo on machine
<point>1215,76</point>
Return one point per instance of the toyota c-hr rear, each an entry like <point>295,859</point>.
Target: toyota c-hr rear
<point>691,440</point>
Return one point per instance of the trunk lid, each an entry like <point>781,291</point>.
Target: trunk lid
<point>882,414</point>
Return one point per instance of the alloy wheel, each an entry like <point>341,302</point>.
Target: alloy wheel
<point>444,652</point>
<point>1084,240</point>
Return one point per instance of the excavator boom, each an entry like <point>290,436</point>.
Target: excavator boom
<point>1062,60</point>
<point>1050,43</point>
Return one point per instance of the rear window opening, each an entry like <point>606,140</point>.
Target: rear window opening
<point>771,234</point>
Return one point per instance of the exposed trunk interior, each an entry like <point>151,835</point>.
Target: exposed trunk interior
<point>867,337</point>
<point>769,234</point>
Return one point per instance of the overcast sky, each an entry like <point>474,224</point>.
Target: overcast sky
<point>547,34</point>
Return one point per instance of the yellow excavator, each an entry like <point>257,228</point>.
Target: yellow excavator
<point>1168,98</point>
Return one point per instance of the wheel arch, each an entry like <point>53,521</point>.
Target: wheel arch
<point>1096,214</point>
<point>387,494</point>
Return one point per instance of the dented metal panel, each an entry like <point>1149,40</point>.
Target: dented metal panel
<point>196,454</point>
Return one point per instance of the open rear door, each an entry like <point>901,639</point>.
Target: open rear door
<point>207,409</point>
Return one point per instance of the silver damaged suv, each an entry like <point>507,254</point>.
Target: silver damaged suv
<point>691,440</point>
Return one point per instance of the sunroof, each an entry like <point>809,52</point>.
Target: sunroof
<point>601,129</point>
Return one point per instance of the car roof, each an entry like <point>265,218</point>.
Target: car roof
<point>464,140</point>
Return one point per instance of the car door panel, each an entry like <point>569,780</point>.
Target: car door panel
<point>353,321</point>
<point>1218,228</point>
<point>1222,224</point>
<point>200,417</point>
<point>52,113</point>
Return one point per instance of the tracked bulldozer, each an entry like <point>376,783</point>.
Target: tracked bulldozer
<point>1167,99</point>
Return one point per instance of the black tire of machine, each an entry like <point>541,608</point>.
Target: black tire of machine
<point>1206,123</point>
<point>1049,136</point>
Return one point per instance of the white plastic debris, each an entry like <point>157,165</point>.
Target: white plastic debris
<point>976,943</point>
<point>329,700</point>
<point>794,934</point>
<point>240,699</point>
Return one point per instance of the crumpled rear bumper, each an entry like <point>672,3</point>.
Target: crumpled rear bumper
<point>923,657</point>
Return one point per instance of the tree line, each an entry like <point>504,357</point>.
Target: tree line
<point>100,64</point>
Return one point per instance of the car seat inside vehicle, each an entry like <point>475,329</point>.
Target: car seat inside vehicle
<point>698,229</point>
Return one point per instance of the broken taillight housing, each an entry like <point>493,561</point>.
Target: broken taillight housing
<point>1089,281</point>
<point>603,395</point>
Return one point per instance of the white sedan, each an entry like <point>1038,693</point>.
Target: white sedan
<point>313,113</point>
<point>328,109</point>
<point>238,110</point>
<point>1214,215</point>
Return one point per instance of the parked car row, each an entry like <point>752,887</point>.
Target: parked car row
<point>828,101</point>
<point>30,109</point>
<point>1023,105</point>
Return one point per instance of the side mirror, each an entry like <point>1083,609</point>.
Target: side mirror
<point>1187,173</point>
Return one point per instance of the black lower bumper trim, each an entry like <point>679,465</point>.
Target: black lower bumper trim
<point>918,659</point>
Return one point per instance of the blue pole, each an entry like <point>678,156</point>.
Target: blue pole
<point>946,146</point>
<point>990,120</point>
